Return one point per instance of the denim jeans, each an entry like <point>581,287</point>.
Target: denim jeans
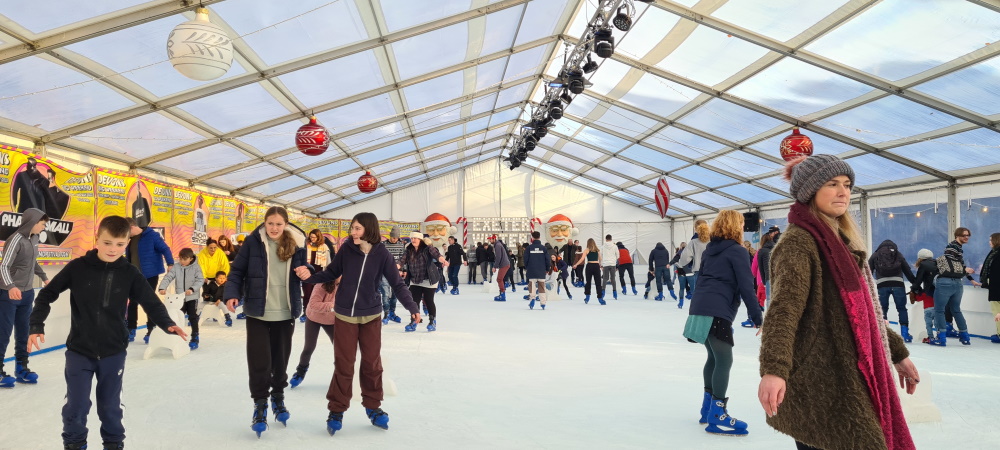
<point>899,297</point>
<point>388,296</point>
<point>948,296</point>
<point>453,274</point>
<point>929,321</point>
<point>663,277</point>
<point>14,318</point>
<point>692,282</point>
<point>685,282</point>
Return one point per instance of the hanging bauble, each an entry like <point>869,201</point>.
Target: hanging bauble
<point>200,49</point>
<point>367,183</point>
<point>795,145</point>
<point>312,138</point>
<point>662,197</point>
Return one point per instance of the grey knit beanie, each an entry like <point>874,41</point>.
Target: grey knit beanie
<point>809,174</point>
<point>925,254</point>
<point>394,233</point>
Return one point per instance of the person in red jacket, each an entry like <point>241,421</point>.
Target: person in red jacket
<point>625,264</point>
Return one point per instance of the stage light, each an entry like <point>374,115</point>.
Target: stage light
<point>576,83</point>
<point>540,132</point>
<point>566,98</point>
<point>622,20</point>
<point>530,142</point>
<point>590,66</point>
<point>555,110</point>
<point>604,43</point>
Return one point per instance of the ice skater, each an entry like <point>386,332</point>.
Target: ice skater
<point>319,314</point>
<point>561,271</point>
<point>17,275</point>
<point>592,258</point>
<point>420,265</point>
<point>536,264</point>
<point>100,285</point>
<point>211,297</point>
<point>187,280</point>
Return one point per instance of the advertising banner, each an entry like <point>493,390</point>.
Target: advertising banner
<point>184,225</point>
<point>67,197</point>
<point>161,216</point>
<point>229,215</point>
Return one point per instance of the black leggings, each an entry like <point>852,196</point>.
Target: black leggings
<point>472,272</point>
<point>717,367</point>
<point>269,344</point>
<point>312,335</point>
<point>190,308</point>
<point>427,294</point>
<point>520,272</point>
<point>594,273</point>
<point>565,286</point>
<point>622,268</point>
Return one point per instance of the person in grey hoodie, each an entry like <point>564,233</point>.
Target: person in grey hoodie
<point>17,271</point>
<point>187,279</point>
<point>692,253</point>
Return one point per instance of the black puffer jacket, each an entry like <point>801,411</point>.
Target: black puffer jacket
<point>99,294</point>
<point>764,261</point>
<point>248,273</point>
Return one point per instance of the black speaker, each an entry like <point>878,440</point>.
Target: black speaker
<point>751,222</point>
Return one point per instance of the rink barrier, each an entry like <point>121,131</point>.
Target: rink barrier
<point>52,349</point>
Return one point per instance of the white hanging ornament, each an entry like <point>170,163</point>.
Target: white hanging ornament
<point>199,49</point>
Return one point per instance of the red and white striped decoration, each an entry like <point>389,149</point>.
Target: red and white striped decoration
<point>534,222</point>
<point>465,230</point>
<point>662,196</point>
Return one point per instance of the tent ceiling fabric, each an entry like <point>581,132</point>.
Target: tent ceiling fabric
<point>700,91</point>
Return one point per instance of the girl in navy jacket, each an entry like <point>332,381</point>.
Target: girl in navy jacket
<point>263,273</point>
<point>362,261</point>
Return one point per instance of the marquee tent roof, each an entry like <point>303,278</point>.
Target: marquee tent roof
<point>701,91</point>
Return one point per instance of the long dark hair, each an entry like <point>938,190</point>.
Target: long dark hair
<point>286,243</point>
<point>370,223</point>
<point>229,245</point>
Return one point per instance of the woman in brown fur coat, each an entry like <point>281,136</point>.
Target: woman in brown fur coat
<point>826,355</point>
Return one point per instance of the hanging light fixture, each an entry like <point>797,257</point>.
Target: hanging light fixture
<point>575,81</point>
<point>530,142</point>
<point>200,49</point>
<point>555,110</point>
<point>367,183</point>
<point>795,145</point>
<point>604,43</point>
<point>590,66</point>
<point>623,21</point>
<point>312,138</point>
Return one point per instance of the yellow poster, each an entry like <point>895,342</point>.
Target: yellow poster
<point>67,197</point>
<point>212,207</point>
<point>114,189</point>
<point>229,216</point>
<point>161,215</point>
<point>184,223</point>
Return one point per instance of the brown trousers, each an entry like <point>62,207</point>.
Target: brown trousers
<point>347,338</point>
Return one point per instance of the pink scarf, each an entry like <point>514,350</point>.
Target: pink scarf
<point>869,329</point>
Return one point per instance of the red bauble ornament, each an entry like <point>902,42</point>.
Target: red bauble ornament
<point>795,145</point>
<point>367,183</point>
<point>312,138</point>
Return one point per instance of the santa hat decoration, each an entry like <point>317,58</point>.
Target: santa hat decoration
<point>561,218</point>
<point>436,217</point>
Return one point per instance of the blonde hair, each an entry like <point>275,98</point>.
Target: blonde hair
<point>844,225</point>
<point>727,225</point>
<point>701,227</point>
<point>592,245</point>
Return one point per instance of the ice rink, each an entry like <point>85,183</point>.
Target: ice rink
<point>494,375</point>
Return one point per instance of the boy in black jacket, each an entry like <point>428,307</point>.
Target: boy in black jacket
<point>211,295</point>
<point>100,284</point>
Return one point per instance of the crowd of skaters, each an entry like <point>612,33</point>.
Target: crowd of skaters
<point>276,272</point>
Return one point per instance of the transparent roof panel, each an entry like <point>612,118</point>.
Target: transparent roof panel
<point>581,152</point>
<point>298,160</point>
<point>627,168</point>
<point>490,73</point>
<point>443,170</point>
<point>386,152</point>
<point>375,136</point>
<point>685,205</point>
<point>625,122</point>
<point>247,175</point>
<point>650,27</point>
<point>139,53</point>
<point>331,169</point>
<point>327,24</point>
<point>681,142</point>
<point>526,62</point>
<point>440,136</point>
<point>435,90</point>
<point>642,190</point>
<point>497,132</point>
<point>276,138</point>
<point>742,163</point>
<point>658,96</point>
<point>504,116</point>
<point>337,204</point>
<point>777,182</point>
<point>600,139</point>
<point>729,55</point>
<point>752,193</point>
<point>427,52</point>
<point>44,16</point>
<point>357,114</point>
<point>891,45</point>
<point>439,150</point>
<point>583,105</point>
<point>299,194</point>
<point>279,185</point>
<point>600,187</point>
<point>571,164</point>
<point>400,14</point>
<point>714,200</point>
<point>797,88</point>
<point>703,176</point>
<point>540,20</point>
<point>401,174</point>
<point>622,195</point>
<point>771,18</point>
<point>318,200</point>
<point>678,186</point>
<point>348,179</point>
<point>874,169</point>
<point>236,108</point>
<point>513,94</point>
<point>652,157</point>
<point>607,177</point>
<point>394,164</point>
<point>499,32</point>
<point>206,160</point>
<point>355,74</point>
<point>887,119</point>
<point>966,89</point>
<point>821,144</point>
<point>130,137</point>
<point>959,151</point>
<point>607,76</point>
<point>565,127</point>
<point>483,104</point>
<point>729,120</point>
<point>47,110</point>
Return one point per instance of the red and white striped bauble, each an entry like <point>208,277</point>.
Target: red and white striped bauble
<point>312,138</point>
<point>465,230</point>
<point>662,197</point>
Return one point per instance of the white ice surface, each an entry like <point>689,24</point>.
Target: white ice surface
<point>494,375</point>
